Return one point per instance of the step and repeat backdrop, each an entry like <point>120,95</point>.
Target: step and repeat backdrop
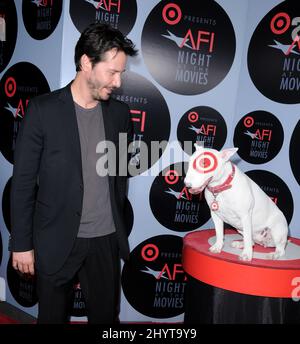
<point>223,72</point>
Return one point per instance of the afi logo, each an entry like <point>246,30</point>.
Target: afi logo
<point>263,135</point>
<point>2,28</point>
<point>274,199</point>
<point>193,41</point>
<point>20,111</point>
<point>184,193</point>
<point>206,130</point>
<point>198,39</point>
<point>139,117</point>
<point>171,272</point>
<point>106,5</point>
<point>279,24</point>
<point>43,3</point>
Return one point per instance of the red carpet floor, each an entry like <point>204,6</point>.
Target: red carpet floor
<point>10,314</point>
<point>6,320</point>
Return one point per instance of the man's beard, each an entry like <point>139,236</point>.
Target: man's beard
<point>94,90</point>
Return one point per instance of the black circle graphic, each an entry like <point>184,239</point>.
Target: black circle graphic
<point>8,31</point>
<point>294,154</point>
<point>188,46</point>
<point>6,204</point>
<point>20,82</point>
<point>41,17</point>
<point>120,14</point>
<point>201,123</point>
<point>259,137</point>
<point>276,189</point>
<point>274,54</point>
<point>150,117</point>
<point>21,286</point>
<point>153,279</point>
<point>171,203</point>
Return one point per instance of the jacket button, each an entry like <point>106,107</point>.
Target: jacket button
<point>78,213</point>
<point>81,186</point>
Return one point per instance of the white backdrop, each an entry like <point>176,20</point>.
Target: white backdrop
<point>234,97</point>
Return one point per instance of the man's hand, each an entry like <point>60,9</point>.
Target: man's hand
<point>23,261</point>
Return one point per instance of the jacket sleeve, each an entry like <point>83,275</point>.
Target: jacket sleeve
<point>27,156</point>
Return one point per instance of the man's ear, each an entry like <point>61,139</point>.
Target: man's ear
<point>227,153</point>
<point>85,63</point>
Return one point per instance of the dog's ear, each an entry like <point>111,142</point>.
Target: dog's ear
<point>227,153</point>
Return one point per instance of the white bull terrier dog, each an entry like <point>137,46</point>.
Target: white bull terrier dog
<point>235,199</point>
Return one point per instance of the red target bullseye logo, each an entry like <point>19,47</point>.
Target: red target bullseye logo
<point>280,23</point>
<point>172,14</point>
<point>193,117</point>
<point>150,252</point>
<point>10,87</point>
<point>206,162</point>
<point>171,177</point>
<point>248,122</point>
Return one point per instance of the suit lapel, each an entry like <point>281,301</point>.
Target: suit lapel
<point>109,136</point>
<point>69,121</point>
<point>108,127</point>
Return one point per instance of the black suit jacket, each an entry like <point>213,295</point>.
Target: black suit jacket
<point>48,152</point>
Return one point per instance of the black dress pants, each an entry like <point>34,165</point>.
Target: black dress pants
<point>97,262</point>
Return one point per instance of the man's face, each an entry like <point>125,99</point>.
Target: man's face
<point>105,76</point>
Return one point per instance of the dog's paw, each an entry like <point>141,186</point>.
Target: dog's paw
<point>275,255</point>
<point>272,256</point>
<point>246,255</point>
<point>216,248</point>
<point>237,244</point>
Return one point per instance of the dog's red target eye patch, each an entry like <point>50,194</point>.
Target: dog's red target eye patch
<point>206,162</point>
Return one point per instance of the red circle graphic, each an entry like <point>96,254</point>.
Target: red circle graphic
<point>172,14</point>
<point>10,87</point>
<point>193,117</point>
<point>277,23</point>
<point>248,122</point>
<point>171,177</point>
<point>150,252</point>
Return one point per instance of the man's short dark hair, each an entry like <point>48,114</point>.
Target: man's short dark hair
<point>97,39</point>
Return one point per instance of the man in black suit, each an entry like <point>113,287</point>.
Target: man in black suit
<point>72,223</point>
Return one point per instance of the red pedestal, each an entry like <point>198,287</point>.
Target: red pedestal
<point>260,277</point>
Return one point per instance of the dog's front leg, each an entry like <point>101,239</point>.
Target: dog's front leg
<point>247,252</point>
<point>219,227</point>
